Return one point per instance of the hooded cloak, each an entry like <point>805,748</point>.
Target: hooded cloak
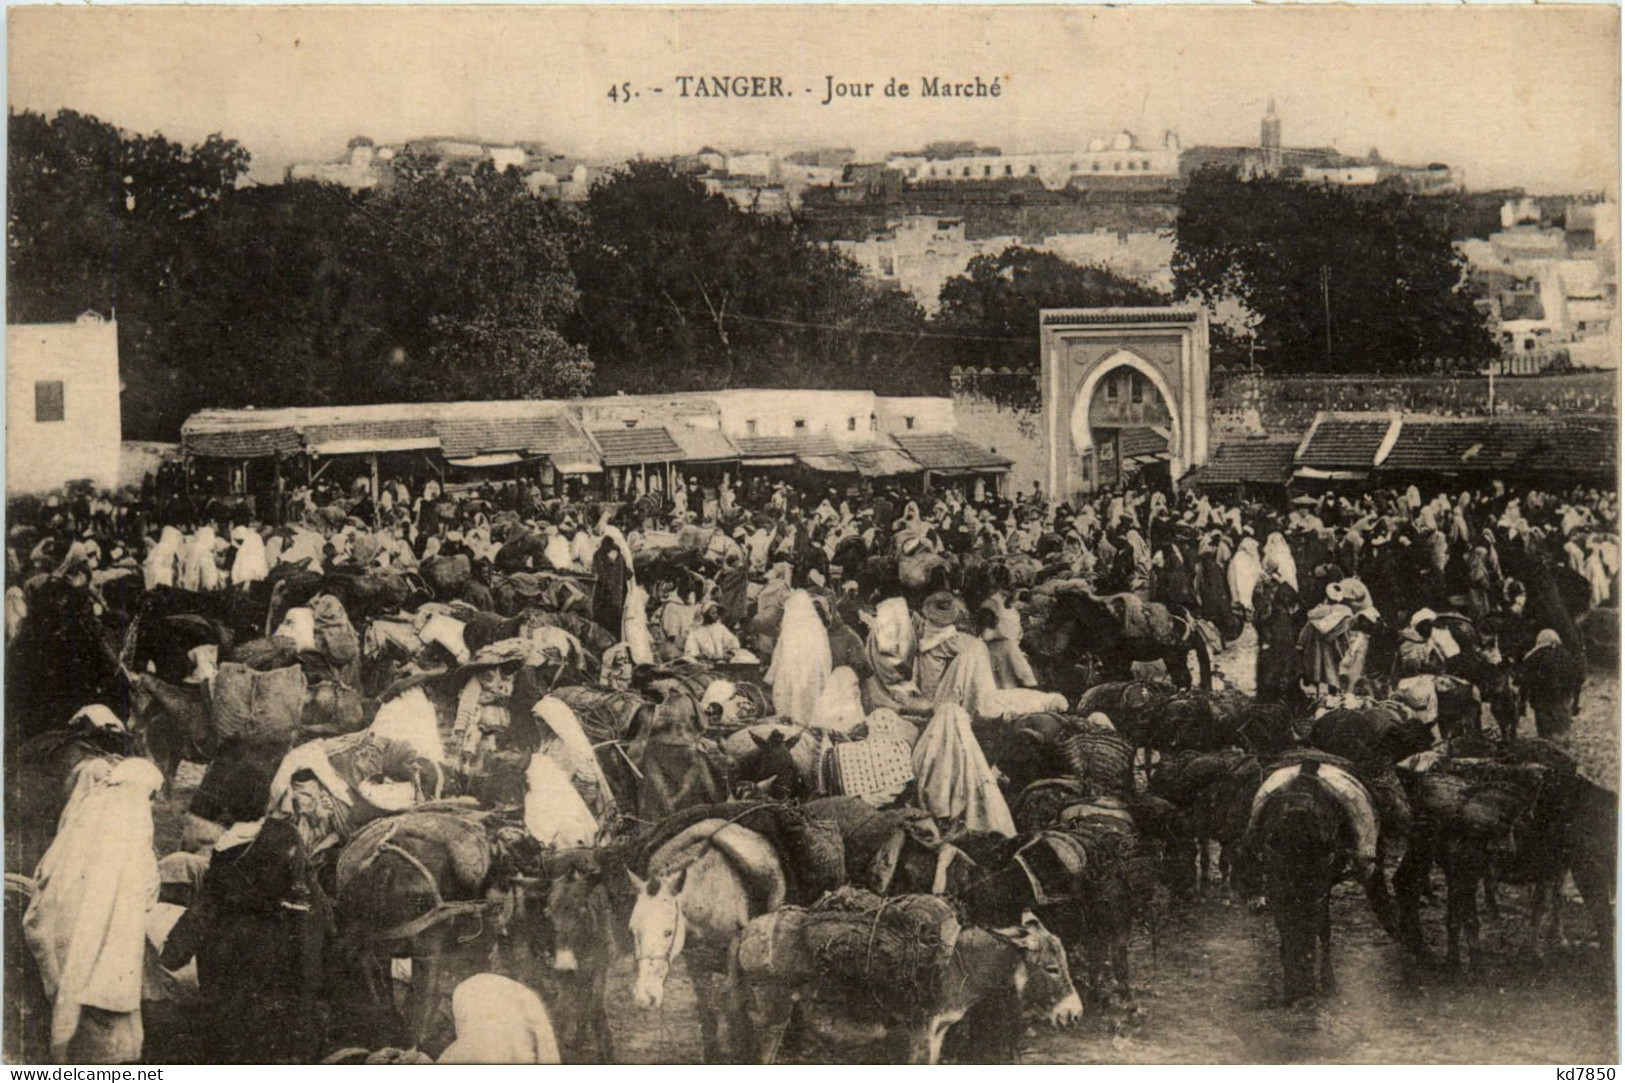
<point>954,782</point>
<point>499,1021</point>
<point>87,922</point>
<point>801,661</point>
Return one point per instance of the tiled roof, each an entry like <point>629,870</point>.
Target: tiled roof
<point>1343,443</point>
<point>949,451</point>
<point>461,429</point>
<point>540,435</point>
<point>241,443</point>
<point>1141,441</point>
<point>1249,461</point>
<point>881,461</point>
<point>380,430</point>
<point>772,447</point>
<point>628,447</point>
<point>1119,315</point>
<point>1504,445</point>
<point>703,445</point>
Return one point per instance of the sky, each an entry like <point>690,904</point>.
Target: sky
<point>1514,96</point>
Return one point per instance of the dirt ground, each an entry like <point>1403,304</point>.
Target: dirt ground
<point>1208,987</point>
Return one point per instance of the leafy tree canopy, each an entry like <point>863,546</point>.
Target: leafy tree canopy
<point>681,288</point>
<point>989,314</point>
<point>1377,268</point>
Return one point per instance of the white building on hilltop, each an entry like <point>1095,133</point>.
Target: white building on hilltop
<point>1119,157</point>
<point>63,421</point>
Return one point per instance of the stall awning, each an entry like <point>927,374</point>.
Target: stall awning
<point>375,446</point>
<point>828,464</point>
<point>1310,473</point>
<point>575,464</point>
<point>498,458</point>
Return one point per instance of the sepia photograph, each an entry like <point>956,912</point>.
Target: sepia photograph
<point>812,534</point>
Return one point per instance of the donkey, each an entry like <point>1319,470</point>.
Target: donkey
<point>581,916</point>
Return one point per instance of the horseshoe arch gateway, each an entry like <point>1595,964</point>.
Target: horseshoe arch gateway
<point>1160,354</point>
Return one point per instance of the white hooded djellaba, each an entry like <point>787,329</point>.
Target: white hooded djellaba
<point>801,661</point>
<point>555,814</point>
<point>954,780</point>
<point>565,743</point>
<point>499,1021</point>
<point>87,923</point>
<point>249,565</point>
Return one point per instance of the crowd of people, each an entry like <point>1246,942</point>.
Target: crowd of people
<point>905,613</point>
<point>1314,575</point>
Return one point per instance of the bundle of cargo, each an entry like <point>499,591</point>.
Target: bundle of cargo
<point>883,847</point>
<point>605,714</point>
<point>447,576</point>
<point>895,952</point>
<point>249,703</point>
<point>1181,776</point>
<point>1042,803</point>
<point>875,769</point>
<point>1102,761</point>
<point>1481,797</point>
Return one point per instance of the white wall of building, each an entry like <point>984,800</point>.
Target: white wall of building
<point>82,358</point>
<point>914,413</point>
<point>1121,157</point>
<point>615,411</point>
<point>841,414</point>
<point>1352,176</point>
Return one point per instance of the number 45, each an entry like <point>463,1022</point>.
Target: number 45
<point>620,92</point>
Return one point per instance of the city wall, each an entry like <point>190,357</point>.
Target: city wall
<point>1002,410</point>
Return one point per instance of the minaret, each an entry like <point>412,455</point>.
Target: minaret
<point>1269,139</point>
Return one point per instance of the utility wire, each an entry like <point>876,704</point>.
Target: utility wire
<point>703,314</point>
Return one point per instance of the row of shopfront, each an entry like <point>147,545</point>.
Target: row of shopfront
<point>1361,450</point>
<point>565,448</point>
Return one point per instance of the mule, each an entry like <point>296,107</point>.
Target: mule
<point>1080,878</point>
<point>1569,829</point>
<point>439,895</point>
<point>1303,839</point>
<point>1213,797</point>
<point>260,937</point>
<point>703,886</point>
<point>1007,973</point>
<point>1080,623</point>
<point>771,769</point>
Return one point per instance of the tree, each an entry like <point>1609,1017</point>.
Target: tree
<point>989,314</point>
<point>269,305</point>
<point>681,288</point>
<point>233,294</point>
<point>94,213</point>
<point>98,219</point>
<point>472,276</point>
<point>1374,272</point>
